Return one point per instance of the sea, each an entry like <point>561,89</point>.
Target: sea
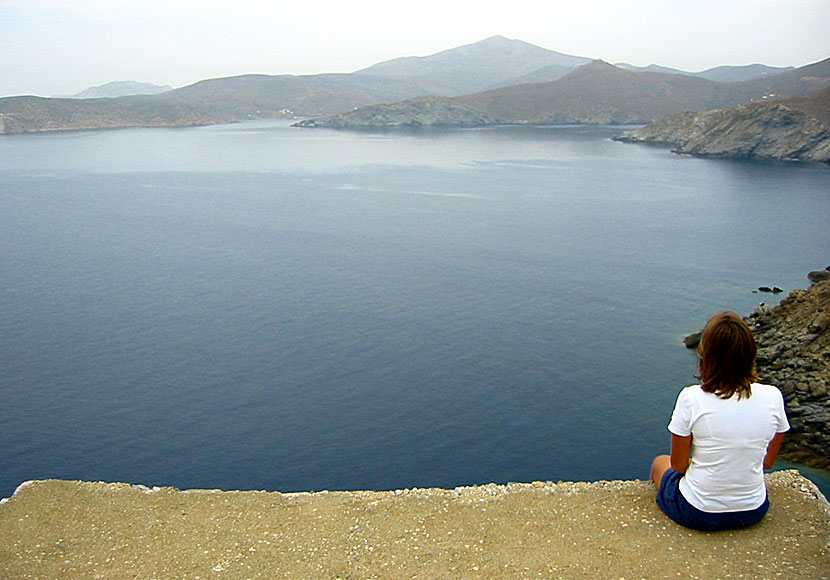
<point>257,306</point>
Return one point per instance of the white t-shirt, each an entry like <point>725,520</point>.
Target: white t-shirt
<point>729,442</point>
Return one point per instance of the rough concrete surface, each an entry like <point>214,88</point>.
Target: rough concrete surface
<point>65,530</point>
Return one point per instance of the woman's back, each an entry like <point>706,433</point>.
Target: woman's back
<point>730,438</point>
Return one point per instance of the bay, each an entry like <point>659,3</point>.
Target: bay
<point>255,306</point>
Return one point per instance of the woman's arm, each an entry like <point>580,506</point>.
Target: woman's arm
<point>772,450</point>
<point>681,448</point>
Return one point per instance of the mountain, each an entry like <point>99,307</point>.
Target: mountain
<point>799,82</point>
<point>594,93</point>
<point>790,129</point>
<point>454,71</point>
<point>264,96</point>
<point>474,67</point>
<point>121,89</point>
<point>652,68</point>
<point>491,81</point>
<point>545,74</point>
<point>720,74</point>
<point>731,74</point>
<point>597,93</point>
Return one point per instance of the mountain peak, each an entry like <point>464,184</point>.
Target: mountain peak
<point>474,67</point>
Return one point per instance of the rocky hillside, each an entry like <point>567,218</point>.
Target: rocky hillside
<point>418,112</point>
<point>36,114</point>
<point>596,93</point>
<point>794,354</point>
<point>794,129</point>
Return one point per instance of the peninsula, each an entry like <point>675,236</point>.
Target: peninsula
<point>787,130</point>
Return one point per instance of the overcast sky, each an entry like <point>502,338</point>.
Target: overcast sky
<point>53,47</point>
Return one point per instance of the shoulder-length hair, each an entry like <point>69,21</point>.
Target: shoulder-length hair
<point>727,352</point>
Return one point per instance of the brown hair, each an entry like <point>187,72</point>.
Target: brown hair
<point>727,352</point>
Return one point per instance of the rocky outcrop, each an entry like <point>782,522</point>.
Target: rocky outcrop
<point>794,354</point>
<point>418,112</point>
<point>819,275</point>
<point>793,130</point>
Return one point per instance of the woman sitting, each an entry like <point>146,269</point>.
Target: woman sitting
<point>725,432</point>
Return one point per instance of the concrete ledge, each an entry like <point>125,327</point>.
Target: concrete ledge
<point>62,529</point>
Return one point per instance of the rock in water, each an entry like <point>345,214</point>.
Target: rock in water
<point>818,275</point>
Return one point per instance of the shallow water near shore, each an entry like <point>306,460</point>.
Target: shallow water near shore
<point>255,306</point>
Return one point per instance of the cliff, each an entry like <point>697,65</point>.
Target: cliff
<point>794,354</point>
<point>603,530</point>
<point>791,130</point>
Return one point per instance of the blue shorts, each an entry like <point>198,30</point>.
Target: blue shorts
<point>672,502</point>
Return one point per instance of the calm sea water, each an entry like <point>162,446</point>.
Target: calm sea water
<point>260,307</point>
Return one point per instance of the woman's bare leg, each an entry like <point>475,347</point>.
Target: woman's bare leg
<point>660,465</point>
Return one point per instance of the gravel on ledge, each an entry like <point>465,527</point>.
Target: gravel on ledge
<point>608,529</point>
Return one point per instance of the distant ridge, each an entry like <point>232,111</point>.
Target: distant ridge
<point>652,68</point>
<point>721,74</point>
<point>595,93</point>
<point>497,80</point>
<point>730,74</point>
<point>121,89</point>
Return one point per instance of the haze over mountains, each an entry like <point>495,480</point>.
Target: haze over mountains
<point>496,80</point>
<point>596,92</point>
<point>121,89</point>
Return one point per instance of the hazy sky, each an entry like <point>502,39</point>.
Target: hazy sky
<point>50,47</point>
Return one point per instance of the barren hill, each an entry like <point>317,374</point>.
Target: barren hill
<point>791,129</point>
<point>596,93</point>
<point>474,67</point>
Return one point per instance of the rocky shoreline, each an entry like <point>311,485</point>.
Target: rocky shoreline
<point>794,354</point>
<point>789,130</point>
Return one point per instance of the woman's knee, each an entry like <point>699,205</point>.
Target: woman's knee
<point>659,466</point>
